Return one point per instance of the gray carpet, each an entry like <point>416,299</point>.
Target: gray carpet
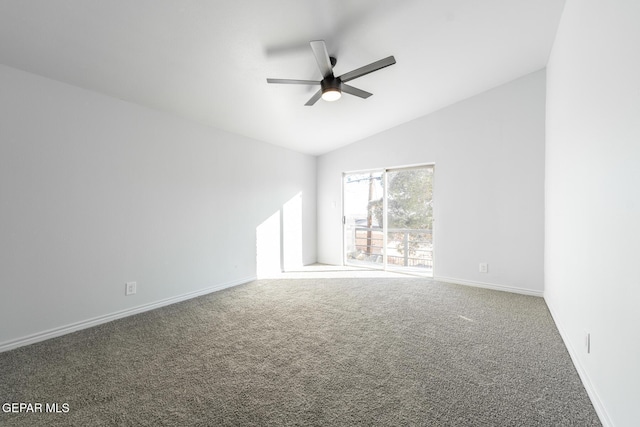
<point>375,352</point>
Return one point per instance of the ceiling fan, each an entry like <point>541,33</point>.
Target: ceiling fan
<point>331,87</point>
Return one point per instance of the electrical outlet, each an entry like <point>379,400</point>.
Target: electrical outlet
<point>483,267</point>
<point>587,342</point>
<point>130,288</point>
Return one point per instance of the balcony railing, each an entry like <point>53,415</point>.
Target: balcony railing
<point>405,247</point>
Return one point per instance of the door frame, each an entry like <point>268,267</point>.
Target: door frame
<point>344,225</point>
<point>384,171</point>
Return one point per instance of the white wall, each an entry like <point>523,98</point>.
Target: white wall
<point>592,216</point>
<point>95,192</point>
<point>489,184</point>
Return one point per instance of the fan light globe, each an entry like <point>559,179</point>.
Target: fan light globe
<point>331,95</point>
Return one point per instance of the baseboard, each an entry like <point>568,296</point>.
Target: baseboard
<point>582,373</point>
<point>84,324</point>
<point>490,286</point>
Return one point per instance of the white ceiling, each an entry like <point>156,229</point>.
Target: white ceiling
<point>208,60</point>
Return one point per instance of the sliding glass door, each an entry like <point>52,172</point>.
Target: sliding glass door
<point>363,234</point>
<point>388,219</point>
<point>409,212</point>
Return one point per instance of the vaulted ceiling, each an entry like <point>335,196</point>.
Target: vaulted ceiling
<point>208,60</point>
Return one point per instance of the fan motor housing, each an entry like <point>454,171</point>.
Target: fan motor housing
<point>331,83</point>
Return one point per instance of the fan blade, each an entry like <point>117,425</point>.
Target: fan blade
<point>293,82</point>
<point>374,66</point>
<point>314,98</point>
<point>355,91</point>
<point>322,57</point>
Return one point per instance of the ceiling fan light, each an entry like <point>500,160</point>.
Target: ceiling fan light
<point>331,94</point>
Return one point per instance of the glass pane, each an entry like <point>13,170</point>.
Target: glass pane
<point>410,219</point>
<point>363,219</point>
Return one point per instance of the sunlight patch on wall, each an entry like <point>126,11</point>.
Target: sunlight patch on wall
<point>292,233</point>
<point>268,247</point>
<point>279,240</point>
